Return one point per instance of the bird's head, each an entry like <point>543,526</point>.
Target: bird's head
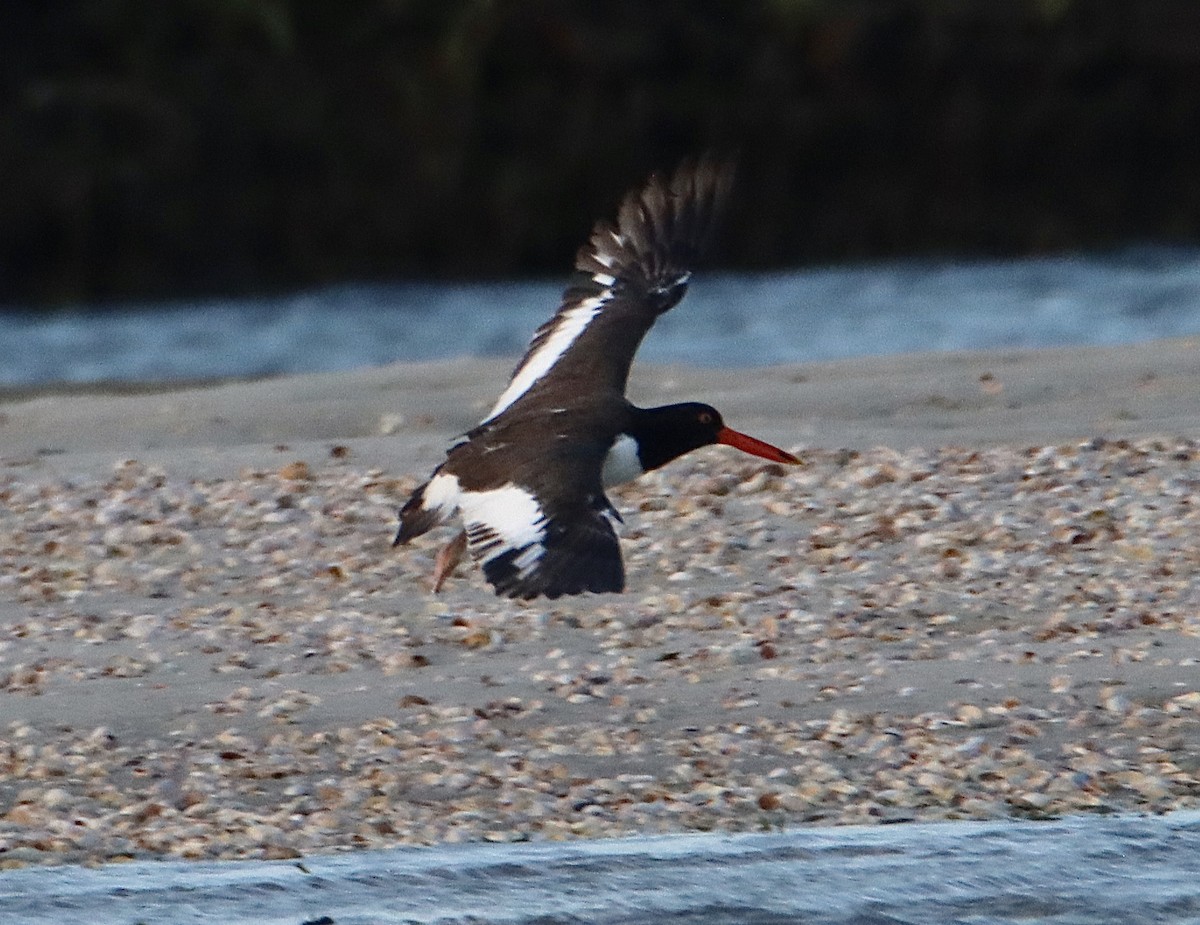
<point>679,429</point>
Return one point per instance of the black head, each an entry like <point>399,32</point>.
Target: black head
<point>667,432</point>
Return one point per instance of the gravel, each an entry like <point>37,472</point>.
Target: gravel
<point>244,667</point>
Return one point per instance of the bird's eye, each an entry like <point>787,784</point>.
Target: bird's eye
<point>706,417</point>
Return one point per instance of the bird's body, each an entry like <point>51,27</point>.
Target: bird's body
<point>528,481</point>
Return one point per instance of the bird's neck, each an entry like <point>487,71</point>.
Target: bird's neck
<point>652,438</point>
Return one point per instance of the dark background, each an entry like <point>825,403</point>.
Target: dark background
<point>158,149</point>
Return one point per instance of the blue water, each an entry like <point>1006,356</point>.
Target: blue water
<point>1079,871</point>
<point>726,320</point>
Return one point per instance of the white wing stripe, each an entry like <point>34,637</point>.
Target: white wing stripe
<point>510,518</point>
<point>527,561</point>
<point>567,328</point>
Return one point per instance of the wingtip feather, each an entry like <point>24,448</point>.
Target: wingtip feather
<point>662,227</point>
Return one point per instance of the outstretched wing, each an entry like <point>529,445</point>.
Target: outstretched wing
<point>628,275</point>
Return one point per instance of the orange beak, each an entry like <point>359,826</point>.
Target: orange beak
<point>748,444</point>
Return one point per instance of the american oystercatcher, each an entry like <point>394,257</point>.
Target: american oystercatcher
<point>528,481</point>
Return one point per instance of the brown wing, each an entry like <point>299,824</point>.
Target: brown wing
<point>628,274</point>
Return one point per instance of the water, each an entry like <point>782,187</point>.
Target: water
<point>726,320</point>
<point>1079,871</point>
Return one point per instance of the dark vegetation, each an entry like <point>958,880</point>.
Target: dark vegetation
<point>152,148</point>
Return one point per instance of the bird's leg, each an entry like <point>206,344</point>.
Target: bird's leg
<point>447,560</point>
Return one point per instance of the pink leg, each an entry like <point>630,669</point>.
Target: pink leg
<point>447,560</point>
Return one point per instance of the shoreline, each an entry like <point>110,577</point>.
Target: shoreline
<point>403,414</point>
<point>975,601</point>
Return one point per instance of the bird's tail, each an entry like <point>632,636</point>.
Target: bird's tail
<point>419,516</point>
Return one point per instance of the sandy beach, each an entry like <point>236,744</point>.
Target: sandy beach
<point>977,599</point>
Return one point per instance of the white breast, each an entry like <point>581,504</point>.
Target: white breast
<point>621,464</point>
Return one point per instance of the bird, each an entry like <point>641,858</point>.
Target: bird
<point>528,481</point>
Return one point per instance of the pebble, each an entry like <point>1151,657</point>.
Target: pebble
<point>774,668</point>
